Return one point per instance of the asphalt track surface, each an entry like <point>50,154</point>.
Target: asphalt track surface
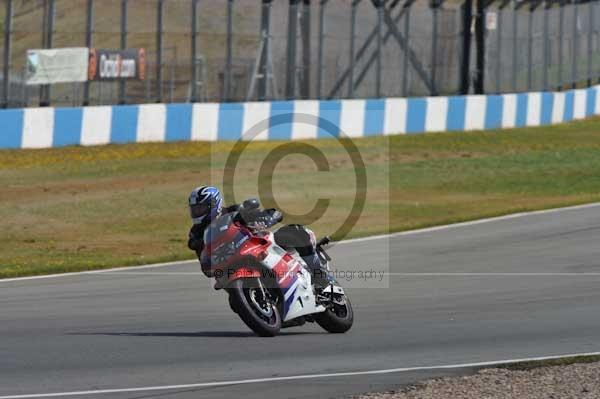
<point>503,289</point>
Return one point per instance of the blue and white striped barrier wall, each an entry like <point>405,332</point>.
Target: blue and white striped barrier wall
<point>55,127</point>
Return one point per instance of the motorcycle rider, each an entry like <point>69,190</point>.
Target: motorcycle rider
<point>206,205</point>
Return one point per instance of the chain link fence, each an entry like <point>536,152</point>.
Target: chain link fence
<point>542,46</point>
<point>240,50</point>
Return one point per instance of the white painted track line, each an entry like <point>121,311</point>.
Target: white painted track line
<point>297,377</point>
<point>350,241</point>
<point>115,269</point>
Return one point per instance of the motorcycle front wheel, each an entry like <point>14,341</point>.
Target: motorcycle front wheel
<point>253,303</point>
<point>338,318</point>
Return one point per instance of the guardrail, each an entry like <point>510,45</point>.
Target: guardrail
<point>56,127</point>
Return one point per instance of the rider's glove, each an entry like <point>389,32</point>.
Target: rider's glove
<point>194,243</point>
<point>261,222</point>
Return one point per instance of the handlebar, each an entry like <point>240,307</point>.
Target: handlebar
<point>324,241</point>
<point>321,252</point>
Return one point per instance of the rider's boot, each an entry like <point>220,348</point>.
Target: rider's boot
<point>320,275</point>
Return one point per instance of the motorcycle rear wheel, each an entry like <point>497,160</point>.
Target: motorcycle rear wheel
<point>260,314</point>
<point>337,319</point>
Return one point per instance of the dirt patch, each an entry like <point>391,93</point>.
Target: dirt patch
<point>581,381</point>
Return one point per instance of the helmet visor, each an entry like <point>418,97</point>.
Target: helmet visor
<point>199,210</point>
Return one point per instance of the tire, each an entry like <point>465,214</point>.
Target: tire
<point>332,322</point>
<point>240,299</point>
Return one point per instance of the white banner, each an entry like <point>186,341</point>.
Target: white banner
<point>61,65</point>
<point>491,20</point>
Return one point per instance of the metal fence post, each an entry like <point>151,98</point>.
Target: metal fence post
<point>597,41</point>
<point>229,60</point>
<point>265,29</point>
<point>575,48</point>
<point>547,5</point>
<point>530,47</point>
<point>407,6</point>
<point>159,51</point>
<point>574,74</point>
<point>596,34</point>
<point>292,38</point>
<point>123,47</point>
<point>44,22</point>
<point>465,70</point>
<point>434,4</point>
<point>148,88</point>
<point>306,58</point>
<point>51,16</point>
<point>499,51</point>
<point>378,71</point>
<point>89,26</point>
<point>194,54</point>
<point>171,83</point>
<point>352,46</point>
<point>479,78</point>
<point>561,24</point>
<point>49,12</point>
<point>479,84</point>
<point>50,40</point>
<point>320,48</point>
<point>7,53</point>
<point>515,43</point>
<point>591,23</point>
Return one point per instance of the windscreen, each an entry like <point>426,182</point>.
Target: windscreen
<point>217,228</point>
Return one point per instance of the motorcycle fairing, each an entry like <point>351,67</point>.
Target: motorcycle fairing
<point>226,244</point>
<point>294,280</point>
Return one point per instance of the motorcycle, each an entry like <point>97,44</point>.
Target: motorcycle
<point>271,287</point>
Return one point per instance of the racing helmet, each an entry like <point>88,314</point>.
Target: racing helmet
<point>205,204</point>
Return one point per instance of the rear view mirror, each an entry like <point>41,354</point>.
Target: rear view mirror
<point>251,204</point>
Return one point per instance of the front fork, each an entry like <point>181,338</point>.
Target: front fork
<point>325,258</point>
<point>326,295</point>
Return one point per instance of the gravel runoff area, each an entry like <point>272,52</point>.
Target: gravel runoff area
<point>576,381</point>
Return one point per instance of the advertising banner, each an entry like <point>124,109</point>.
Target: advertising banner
<point>117,64</point>
<point>60,65</point>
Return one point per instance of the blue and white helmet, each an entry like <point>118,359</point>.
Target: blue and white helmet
<point>205,202</point>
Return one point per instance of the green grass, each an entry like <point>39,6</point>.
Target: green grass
<point>80,208</point>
